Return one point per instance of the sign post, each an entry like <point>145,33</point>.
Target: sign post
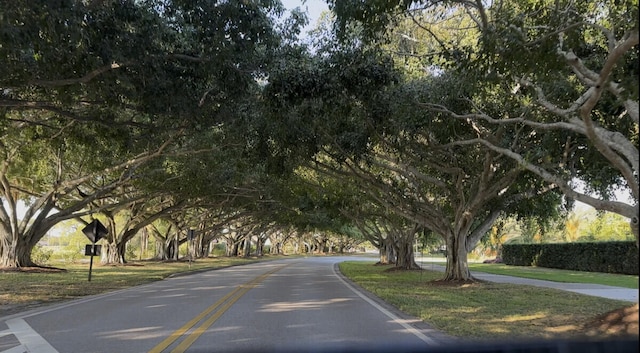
<point>94,231</point>
<point>190,236</point>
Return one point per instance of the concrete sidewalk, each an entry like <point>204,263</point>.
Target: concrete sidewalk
<point>596,290</point>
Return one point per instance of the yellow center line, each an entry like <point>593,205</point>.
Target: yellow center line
<point>179,332</point>
<point>235,294</point>
<point>182,347</point>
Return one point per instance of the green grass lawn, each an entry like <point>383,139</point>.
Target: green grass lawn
<point>550,274</point>
<point>547,274</point>
<point>481,310</point>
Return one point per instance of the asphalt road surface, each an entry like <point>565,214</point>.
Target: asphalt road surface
<point>288,305</point>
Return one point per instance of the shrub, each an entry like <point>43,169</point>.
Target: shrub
<point>41,255</point>
<point>608,257</point>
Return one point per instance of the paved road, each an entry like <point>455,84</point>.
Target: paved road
<point>298,303</point>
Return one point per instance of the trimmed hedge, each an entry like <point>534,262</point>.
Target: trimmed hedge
<point>607,257</point>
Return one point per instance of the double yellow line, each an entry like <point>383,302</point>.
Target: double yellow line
<point>228,300</point>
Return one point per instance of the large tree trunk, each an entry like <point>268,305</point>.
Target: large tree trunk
<point>206,250</point>
<point>122,251</point>
<point>276,248</point>
<point>387,254</point>
<point>260,246</point>
<point>246,251</point>
<point>232,249</point>
<point>405,254</point>
<point>112,253</point>
<point>457,265</point>
<point>162,252</point>
<point>15,253</point>
<point>144,243</point>
<point>203,247</point>
<point>323,247</point>
<point>17,242</point>
<point>171,249</point>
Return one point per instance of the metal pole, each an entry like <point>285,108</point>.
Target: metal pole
<point>93,251</point>
<point>189,237</point>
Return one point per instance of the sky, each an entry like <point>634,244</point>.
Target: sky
<point>313,8</point>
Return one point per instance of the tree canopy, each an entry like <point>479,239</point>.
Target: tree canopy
<point>567,69</point>
<point>401,118</point>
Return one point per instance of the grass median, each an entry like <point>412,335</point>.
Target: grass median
<point>556,275</point>
<point>483,310</point>
<point>549,274</point>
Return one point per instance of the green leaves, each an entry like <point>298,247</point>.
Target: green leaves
<point>333,99</point>
<point>93,94</point>
<point>374,15</point>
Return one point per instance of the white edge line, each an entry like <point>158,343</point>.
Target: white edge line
<point>82,300</point>
<point>73,302</point>
<point>29,338</point>
<point>16,349</point>
<point>392,316</point>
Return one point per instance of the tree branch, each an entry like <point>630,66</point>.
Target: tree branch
<point>81,80</point>
<point>612,206</point>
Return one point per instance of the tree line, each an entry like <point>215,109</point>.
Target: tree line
<point>393,120</point>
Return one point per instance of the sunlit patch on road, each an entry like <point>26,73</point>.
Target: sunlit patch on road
<point>304,305</point>
<point>134,334</point>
